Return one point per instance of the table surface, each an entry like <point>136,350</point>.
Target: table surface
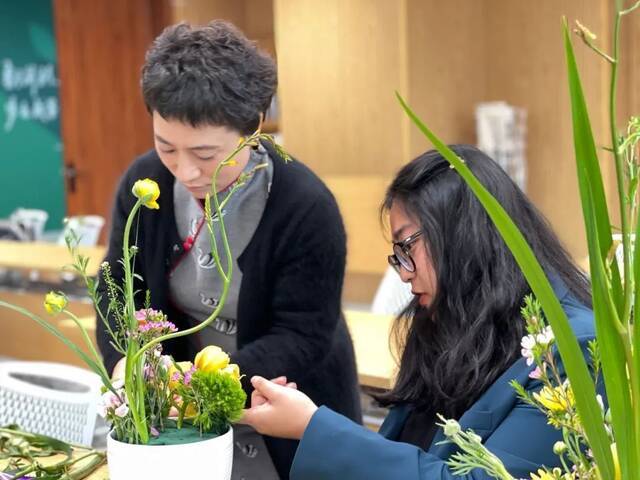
<point>370,335</point>
<point>48,257</point>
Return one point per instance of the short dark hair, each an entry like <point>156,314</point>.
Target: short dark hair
<point>208,75</point>
<point>471,333</point>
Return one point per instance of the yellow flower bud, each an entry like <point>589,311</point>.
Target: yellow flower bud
<point>232,370</point>
<point>559,448</point>
<point>54,303</point>
<point>148,191</point>
<point>240,141</point>
<point>211,359</point>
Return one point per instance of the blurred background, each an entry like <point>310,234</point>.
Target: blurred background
<point>486,72</point>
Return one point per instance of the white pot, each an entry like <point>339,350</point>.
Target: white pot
<point>211,458</point>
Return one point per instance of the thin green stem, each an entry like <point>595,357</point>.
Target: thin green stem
<point>87,341</point>
<point>629,287</point>
<point>630,9</point>
<point>624,214</point>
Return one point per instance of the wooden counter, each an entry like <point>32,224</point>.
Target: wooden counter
<point>370,335</point>
<point>45,257</point>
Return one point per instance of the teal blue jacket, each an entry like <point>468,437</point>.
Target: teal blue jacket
<point>334,447</point>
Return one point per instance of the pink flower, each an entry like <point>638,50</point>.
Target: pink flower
<point>157,328</point>
<point>188,374</point>
<point>122,410</point>
<point>536,373</point>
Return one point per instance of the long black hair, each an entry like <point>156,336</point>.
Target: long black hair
<point>455,349</point>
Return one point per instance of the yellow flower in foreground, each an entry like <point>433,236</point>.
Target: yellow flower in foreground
<point>148,191</point>
<point>558,399</point>
<point>211,359</point>
<point>54,303</point>
<point>232,370</point>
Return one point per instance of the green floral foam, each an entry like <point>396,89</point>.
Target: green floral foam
<point>180,436</point>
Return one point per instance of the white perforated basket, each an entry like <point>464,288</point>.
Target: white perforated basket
<point>50,398</point>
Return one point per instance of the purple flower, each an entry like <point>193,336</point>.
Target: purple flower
<point>188,374</point>
<point>157,327</point>
<point>154,431</point>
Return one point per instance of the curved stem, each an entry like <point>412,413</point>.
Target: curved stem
<point>87,340</point>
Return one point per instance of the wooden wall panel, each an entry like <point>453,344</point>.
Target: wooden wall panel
<point>526,67</point>
<point>101,46</point>
<point>447,68</point>
<point>339,66</point>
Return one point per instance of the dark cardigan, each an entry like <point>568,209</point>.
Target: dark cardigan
<point>289,314</point>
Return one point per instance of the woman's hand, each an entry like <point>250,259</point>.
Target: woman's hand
<point>277,410</point>
<point>118,370</point>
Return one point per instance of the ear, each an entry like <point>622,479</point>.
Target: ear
<point>261,122</point>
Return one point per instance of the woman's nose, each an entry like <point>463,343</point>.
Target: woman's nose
<point>186,172</point>
<point>405,275</point>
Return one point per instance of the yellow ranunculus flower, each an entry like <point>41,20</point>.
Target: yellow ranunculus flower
<point>232,370</point>
<point>148,189</point>
<point>176,380</point>
<point>211,359</point>
<point>557,400</point>
<point>54,303</point>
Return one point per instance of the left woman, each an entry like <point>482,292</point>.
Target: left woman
<point>205,88</point>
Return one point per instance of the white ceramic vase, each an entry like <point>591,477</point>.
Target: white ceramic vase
<point>211,459</point>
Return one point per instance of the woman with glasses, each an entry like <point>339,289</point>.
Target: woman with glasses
<point>461,341</point>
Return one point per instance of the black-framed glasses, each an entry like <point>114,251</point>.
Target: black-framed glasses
<point>402,254</point>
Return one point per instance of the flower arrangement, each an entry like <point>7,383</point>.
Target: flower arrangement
<point>598,443</point>
<point>158,395</point>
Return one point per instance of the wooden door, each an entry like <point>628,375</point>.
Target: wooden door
<point>101,46</point>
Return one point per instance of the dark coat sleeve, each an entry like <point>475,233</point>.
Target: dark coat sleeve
<point>306,291</point>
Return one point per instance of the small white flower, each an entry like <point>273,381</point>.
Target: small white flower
<point>527,343</point>
<point>451,428</point>
<point>110,399</point>
<point>117,384</point>
<point>545,337</point>
<point>122,410</point>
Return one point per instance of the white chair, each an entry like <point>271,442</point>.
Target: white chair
<point>392,296</point>
<point>86,227</point>
<point>30,221</point>
<point>50,399</point>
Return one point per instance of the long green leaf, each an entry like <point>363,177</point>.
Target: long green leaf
<point>570,351</point>
<point>586,155</point>
<point>599,240</point>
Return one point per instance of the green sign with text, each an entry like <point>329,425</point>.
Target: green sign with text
<point>31,174</point>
